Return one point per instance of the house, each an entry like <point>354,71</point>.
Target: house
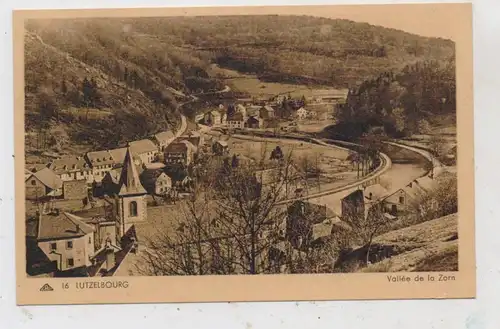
<point>101,162</point>
<point>43,183</point>
<point>118,155</point>
<point>71,168</point>
<point>66,240</point>
<point>242,110</point>
<point>156,182</point>
<point>194,138</point>
<point>328,95</point>
<point>312,114</point>
<point>181,152</point>
<point>267,112</point>
<point>301,113</point>
<point>254,122</point>
<point>236,121</point>
<point>404,199</point>
<point>307,222</point>
<point>162,139</point>
<point>105,233</point>
<point>253,110</point>
<point>145,149</point>
<point>34,167</point>
<point>353,205</point>
<point>213,118</point>
<point>220,148</point>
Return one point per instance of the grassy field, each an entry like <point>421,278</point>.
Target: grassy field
<point>251,85</point>
<point>329,159</point>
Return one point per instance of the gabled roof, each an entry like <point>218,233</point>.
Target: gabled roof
<point>195,140</point>
<point>118,154</point>
<point>34,167</point>
<point>268,108</point>
<point>114,175</point>
<point>62,226</point>
<point>48,178</point>
<point>99,158</point>
<point>69,164</point>
<point>142,146</point>
<point>312,212</point>
<point>222,143</point>
<point>377,192</point>
<point>130,183</point>
<point>164,136</point>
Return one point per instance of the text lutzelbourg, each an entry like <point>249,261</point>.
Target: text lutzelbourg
<point>435,277</point>
<point>101,284</point>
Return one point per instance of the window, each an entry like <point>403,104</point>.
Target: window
<point>53,246</point>
<point>132,209</point>
<point>69,245</point>
<point>394,209</point>
<point>401,199</point>
<point>33,182</point>
<point>70,262</point>
<point>90,240</point>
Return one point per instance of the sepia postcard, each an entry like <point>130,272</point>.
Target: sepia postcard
<point>244,154</point>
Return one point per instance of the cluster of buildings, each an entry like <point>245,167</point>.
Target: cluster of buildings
<point>309,223</point>
<point>65,243</point>
<point>252,116</point>
<point>72,177</point>
<point>238,116</point>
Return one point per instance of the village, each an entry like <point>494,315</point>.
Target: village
<point>88,215</point>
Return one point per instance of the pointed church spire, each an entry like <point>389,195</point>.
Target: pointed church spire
<point>130,183</point>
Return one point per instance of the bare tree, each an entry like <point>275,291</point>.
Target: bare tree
<point>227,227</point>
<point>436,145</point>
<point>440,201</point>
<point>250,214</point>
<point>183,248</point>
<point>365,225</point>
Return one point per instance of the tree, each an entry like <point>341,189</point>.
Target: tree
<point>277,153</point>
<point>229,227</point>
<point>187,248</point>
<point>365,225</point>
<point>439,201</point>
<point>234,161</point>
<point>231,110</point>
<point>436,145</point>
<point>424,127</point>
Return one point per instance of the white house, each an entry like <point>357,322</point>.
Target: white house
<point>301,113</point>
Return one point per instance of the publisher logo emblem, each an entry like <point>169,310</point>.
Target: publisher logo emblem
<point>46,287</point>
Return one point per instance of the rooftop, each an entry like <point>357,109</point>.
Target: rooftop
<point>142,146</point>
<point>69,163</point>
<point>129,178</point>
<point>62,226</point>
<point>48,178</point>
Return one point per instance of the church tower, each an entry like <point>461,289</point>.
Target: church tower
<point>132,205</point>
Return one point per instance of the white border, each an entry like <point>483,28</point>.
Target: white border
<point>482,313</point>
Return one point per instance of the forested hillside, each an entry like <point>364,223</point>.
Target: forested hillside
<point>108,84</point>
<point>300,49</point>
<point>115,79</point>
<point>401,103</point>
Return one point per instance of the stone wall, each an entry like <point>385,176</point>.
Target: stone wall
<point>75,190</point>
